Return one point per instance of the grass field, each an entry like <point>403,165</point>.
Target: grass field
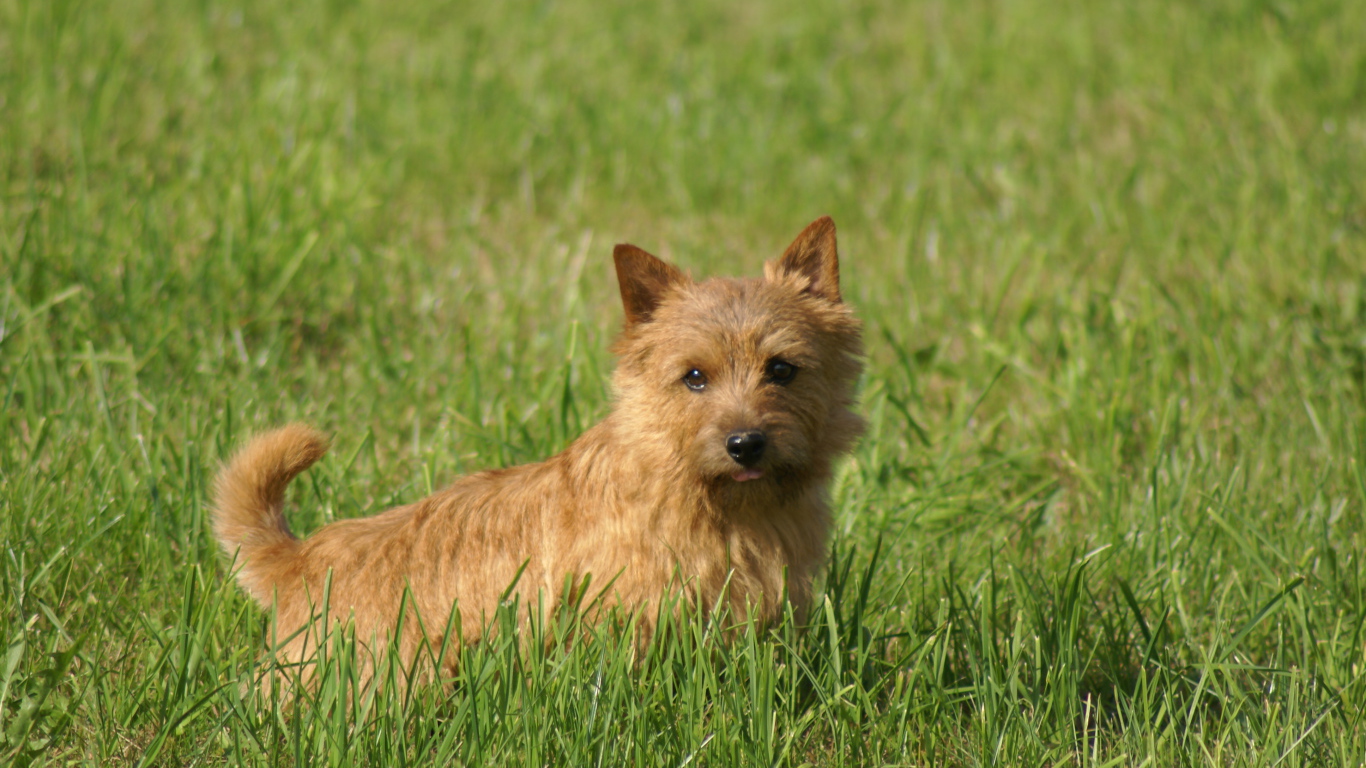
<point>1111,257</point>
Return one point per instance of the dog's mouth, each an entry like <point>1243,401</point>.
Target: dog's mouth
<point>747,474</point>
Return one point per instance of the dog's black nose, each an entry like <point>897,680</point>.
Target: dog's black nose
<point>746,447</point>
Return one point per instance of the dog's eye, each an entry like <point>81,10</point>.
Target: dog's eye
<point>696,380</point>
<point>780,371</point>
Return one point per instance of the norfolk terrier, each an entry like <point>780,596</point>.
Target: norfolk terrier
<point>708,479</point>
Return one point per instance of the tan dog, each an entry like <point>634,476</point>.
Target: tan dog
<point>732,400</point>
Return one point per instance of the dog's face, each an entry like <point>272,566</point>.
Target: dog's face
<point>742,382</point>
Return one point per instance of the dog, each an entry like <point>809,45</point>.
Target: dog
<point>732,399</point>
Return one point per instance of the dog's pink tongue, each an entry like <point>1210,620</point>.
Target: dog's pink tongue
<point>748,474</point>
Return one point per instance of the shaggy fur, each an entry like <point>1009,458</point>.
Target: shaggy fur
<point>732,400</point>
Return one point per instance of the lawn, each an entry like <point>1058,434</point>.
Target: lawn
<point>1111,261</point>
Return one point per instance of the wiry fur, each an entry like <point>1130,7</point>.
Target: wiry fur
<point>647,501</point>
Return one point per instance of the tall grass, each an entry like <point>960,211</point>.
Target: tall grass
<point>1111,258</point>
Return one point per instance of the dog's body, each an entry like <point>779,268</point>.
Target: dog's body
<point>732,401</point>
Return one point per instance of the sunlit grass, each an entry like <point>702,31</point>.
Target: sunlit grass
<point>1110,259</point>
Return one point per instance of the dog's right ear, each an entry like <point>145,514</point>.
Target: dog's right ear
<point>644,279</point>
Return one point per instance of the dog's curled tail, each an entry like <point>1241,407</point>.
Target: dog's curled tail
<point>249,499</point>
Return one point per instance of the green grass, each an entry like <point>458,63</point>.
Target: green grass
<point>1111,258</point>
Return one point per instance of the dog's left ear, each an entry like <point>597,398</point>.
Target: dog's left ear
<point>812,255</point>
<point>643,279</point>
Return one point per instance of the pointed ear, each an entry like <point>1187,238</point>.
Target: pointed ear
<point>643,280</point>
<point>813,255</point>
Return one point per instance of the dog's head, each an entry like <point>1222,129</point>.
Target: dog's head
<point>740,381</point>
